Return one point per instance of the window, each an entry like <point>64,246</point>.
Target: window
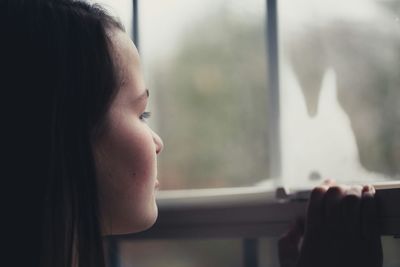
<point>264,93</point>
<point>205,63</point>
<point>214,94</point>
<point>187,253</point>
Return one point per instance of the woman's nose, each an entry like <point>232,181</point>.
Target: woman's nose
<point>159,143</point>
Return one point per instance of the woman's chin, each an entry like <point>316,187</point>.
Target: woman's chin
<point>135,225</point>
<point>147,222</point>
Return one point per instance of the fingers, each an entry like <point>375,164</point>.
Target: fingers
<point>335,207</point>
<point>368,189</point>
<point>331,205</point>
<point>370,226</point>
<point>343,219</point>
<point>315,208</point>
<point>351,208</point>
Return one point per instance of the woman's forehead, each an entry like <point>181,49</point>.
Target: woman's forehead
<point>128,65</point>
<point>126,57</point>
<point>124,47</point>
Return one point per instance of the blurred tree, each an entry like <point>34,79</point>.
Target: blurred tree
<point>214,104</point>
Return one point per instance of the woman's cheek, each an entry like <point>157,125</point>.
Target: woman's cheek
<point>128,179</point>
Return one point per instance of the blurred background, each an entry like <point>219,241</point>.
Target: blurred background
<point>206,65</point>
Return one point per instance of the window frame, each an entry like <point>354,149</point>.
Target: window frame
<point>246,212</point>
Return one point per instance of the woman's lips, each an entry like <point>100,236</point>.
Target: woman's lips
<point>157,185</point>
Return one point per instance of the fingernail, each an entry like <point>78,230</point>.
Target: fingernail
<point>368,189</point>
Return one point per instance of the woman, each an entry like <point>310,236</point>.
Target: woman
<point>81,159</point>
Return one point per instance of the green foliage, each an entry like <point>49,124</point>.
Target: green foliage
<point>215,104</point>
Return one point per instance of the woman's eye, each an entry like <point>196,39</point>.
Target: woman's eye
<point>145,115</point>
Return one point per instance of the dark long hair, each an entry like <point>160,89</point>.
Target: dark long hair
<point>57,82</point>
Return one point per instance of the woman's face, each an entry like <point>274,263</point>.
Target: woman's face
<point>126,153</point>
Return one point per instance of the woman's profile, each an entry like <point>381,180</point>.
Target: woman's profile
<point>79,150</point>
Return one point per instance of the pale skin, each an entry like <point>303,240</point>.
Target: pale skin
<point>126,153</point>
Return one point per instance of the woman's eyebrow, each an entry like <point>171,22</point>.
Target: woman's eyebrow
<point>144,95</point>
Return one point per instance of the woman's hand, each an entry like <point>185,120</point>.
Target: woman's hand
<point>340,231</point>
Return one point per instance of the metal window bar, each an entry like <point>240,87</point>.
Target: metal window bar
<point>250,251</point>
<point>273,89</point>
<point>135,23</point>
<point>113,252</point>
<point>250,245</point>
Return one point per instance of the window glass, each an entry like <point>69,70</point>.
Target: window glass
<point>187,253</point>
<point>340,97</point>
<point>391,247</point>
<point>205,65</point>
<point>268,252</point>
